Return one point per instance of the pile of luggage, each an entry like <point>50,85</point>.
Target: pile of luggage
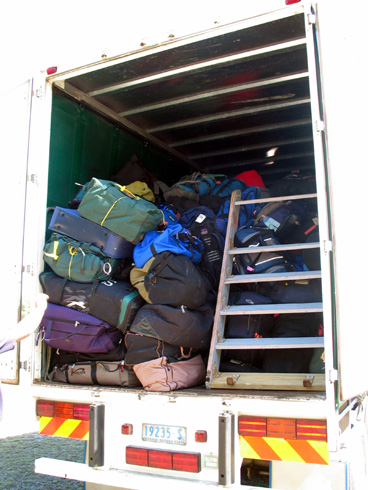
<point>132,270</point>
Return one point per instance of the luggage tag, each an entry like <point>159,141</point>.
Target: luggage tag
<point>200,218</point>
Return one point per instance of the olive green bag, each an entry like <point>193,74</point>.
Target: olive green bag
<point>116,208</point>
<point>78,261</point>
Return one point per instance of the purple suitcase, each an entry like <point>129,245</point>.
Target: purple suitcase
<point>75,331</point>
<point>69,222</point>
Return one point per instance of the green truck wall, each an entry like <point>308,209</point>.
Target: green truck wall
<point>84,145</point>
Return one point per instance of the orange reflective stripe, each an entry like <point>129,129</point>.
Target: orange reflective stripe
<point>278,449</point>
<point>59,427</point>
<point>264,451</point>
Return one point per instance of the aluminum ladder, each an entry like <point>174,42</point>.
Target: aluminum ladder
<point>257,380</point>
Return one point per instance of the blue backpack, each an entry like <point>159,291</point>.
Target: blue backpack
<point>174,239</point>
<point>248,211</point>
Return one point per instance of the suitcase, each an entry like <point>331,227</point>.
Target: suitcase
<point>70,222</point>
<point>104,373</point>
<point>67,329</point>
<point>115,302</point>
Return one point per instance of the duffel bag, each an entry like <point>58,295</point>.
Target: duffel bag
<point>114,207</point>
<point>171,279</point>
<point>160,375</point>
<point>115,302</point>
<point>67,329</point>
<point>141,348</point>
<point>95,373</point>
<point>78,261</point>
<point>176,326</point>
<point>175,239</point>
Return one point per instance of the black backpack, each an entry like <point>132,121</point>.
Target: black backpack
<point>213,241</point>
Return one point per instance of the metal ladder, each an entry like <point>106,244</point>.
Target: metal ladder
<point>257,380</point>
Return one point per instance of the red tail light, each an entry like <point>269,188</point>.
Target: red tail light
<point>48,408</point>
<point>160,459</point>
<point>252,426</point>
<point>168,460</point>
<point>291,2</point>
<point>44,408</point>
<point>313,430</point>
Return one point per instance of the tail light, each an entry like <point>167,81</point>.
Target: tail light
<point>48,408</point>
<point>168,460</point>
<point>313,430</point>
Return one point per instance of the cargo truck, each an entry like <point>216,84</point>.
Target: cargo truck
<point>272,89</point>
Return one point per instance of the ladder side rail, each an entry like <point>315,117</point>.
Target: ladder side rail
<point>223,290</point>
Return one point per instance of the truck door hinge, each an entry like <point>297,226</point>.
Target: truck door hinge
<point>312,18</point>
<point>319,125</point>
<point>327,246</point>
<point>333,375</point>
<point>29,269</point>
<point>38,92</point>
<point>24,365</point>
<point>33,178</point>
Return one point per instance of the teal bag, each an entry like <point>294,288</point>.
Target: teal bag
<point>78,261</point>
<point>114,207</point>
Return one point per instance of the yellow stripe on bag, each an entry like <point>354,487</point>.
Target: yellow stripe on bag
<point>53,255</point>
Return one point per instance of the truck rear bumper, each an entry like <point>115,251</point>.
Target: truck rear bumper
<point>116,478</point>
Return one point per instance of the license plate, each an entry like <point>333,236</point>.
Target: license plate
<point>164,433</point>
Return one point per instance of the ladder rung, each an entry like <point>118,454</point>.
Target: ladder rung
<point>272,309</point>
<point>277,276</point>
<point>272,343</point>
<point>273,248</point>
<point>276,199</point>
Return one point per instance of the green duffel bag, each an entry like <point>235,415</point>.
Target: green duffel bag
<point>116,208</point>
<point>78,261</point>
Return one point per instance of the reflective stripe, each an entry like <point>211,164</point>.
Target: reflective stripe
<point>278,449</point>
<point>59,427</point>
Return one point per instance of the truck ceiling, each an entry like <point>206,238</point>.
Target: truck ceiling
<point>221,101</point>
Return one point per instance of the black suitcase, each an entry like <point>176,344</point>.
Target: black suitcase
<point>69,222</point>
<point>115,302</point>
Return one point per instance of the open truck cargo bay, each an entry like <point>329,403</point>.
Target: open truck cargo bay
<point>242,96</point>
<point>236,98</point>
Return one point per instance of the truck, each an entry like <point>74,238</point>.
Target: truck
<point>268,86</point>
